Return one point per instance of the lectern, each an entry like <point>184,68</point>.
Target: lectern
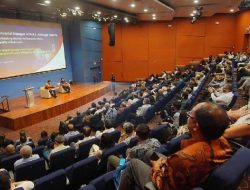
<point>29,97</point>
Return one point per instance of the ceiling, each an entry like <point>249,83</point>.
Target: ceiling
<point>162,9</point>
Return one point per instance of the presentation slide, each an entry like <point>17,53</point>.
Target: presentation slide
<point>28,47</point>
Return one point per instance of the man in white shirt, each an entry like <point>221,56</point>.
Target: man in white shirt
<point>59,145</point>
<point>141,111</point>
<point>71,132</point>
<point>223,98</point>
<point>26,153</point>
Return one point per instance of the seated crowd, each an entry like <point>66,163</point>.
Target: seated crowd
<point>210,123</point>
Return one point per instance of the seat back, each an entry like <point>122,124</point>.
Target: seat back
<point>62,159</point>
<point>161,133</point>
<point>31,170</point>
<point>82,172</point>
<point>38,150</point>
<point>117,150</point>
<point>84,147</point>
<point>229,175</point>
<point>115,135</point>
<point>88,187</point>
<point>74,138</point>
<point>104,182</point>
<point>8,162</point>
<point>55,180</point>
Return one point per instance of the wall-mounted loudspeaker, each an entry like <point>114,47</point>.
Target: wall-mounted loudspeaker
<point>111,30</point>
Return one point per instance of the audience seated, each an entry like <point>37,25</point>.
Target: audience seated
<point>58,146</point>
<point>27,156</point>
<point>108,129</point>
<point>206,123</point>
<point>127,133</point>
<point>223,98</point>
<point>71,132</point>
<point>106,142</point>
<point>6,183</point>
<point>86,133</point>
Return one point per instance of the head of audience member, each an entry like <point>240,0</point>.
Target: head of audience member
<point>26,151</point>
<point>10,149</point>
<point>207,120</point>
<point>23,139</point>
<point>128,128</point>
<point>142,132</point>
<point>184,95</point>
<point>5,182</point>
<point>2,140</point>
<point>106,141</point>
<point>227,88</point>
<point>146,101</point>
<point>44,135</point>
<point>49,81</point>
<point>62,80</point>
<point>59,140</point>
<point>53,136</point>
<point>70,127</point>
<point>86,131</point>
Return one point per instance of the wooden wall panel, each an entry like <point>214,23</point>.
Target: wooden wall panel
<point>151,47</point>
<point>243,21</point>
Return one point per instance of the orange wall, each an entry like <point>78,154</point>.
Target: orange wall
<point>151,47</point>
<point>243,21</point>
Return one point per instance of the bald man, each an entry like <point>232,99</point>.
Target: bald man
<point>26,153</point>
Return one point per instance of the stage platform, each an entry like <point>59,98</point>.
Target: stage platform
<point>20,117</point>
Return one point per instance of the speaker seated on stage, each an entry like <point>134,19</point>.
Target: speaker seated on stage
<point>63,86</point>
<point>44,93</point>
<point>49,88</point>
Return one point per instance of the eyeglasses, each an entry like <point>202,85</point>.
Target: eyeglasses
<point>189,115</point>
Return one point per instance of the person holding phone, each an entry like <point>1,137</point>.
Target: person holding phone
<point>190,166</point>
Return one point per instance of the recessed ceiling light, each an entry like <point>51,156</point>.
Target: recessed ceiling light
<point>99,12</point>
<point>145,10</point>
<point>170,25</point>
<point>153,14</point>
<point>154,18</point>
<point>77,8</point>
<point>194,11</point>
<point>47,2</point>
<point>217,22</point>
<point>196,1</point>
<point>231,10</point>
<point>132,5</point>
<point>115,16</point>
<point>114,0</point>
<point>192,14</point>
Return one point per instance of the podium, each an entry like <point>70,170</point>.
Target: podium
<point>30,101</point>
<point>4,102</point>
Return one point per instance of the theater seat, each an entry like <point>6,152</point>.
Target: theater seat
<point>60,88</point>
<point>44,93</point>
<point>55,180</point>
<point>104,182</point>
<point>229,175</point>
<point>84,147</point>
<point>8,162</point>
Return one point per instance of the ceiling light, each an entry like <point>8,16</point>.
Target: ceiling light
<point>132,5</point>
<point>192,14</point>
<point>153,14</point>
<point>77,8</point>
<point>170,25</point>
<point>115,16</point>
<point>231,10</point>
<point>217,22</point>
<point>63,14</point>
<point>145,10</point>
<point>47,2</point>
<point>196,1</point>
<point>154,18</point>
<point>114,0</point>
<point>98,12</point>
<point>94,28</point>
<point>194,11</point>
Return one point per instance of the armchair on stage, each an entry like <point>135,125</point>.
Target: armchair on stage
<point>60,88</point>
<point>44,93</point>
<point>4,104</point>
